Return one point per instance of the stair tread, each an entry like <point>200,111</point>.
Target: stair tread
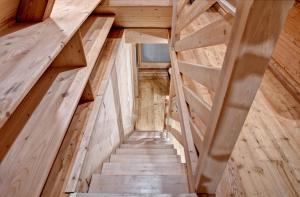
<point>158,146</point>
<point>143,169</point>
<point>131,195</point>
<point>139,184</point>
<point>145,158</point>
<point>146,151</point>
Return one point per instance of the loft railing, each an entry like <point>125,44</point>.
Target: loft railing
<point>249,29</point>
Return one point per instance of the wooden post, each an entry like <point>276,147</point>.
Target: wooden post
<point>255,32</point>
<point>34,10</point>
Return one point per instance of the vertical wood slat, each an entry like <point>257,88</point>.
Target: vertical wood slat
<point>256,30</point>
<point>34,10</point>
<point>188,144</point>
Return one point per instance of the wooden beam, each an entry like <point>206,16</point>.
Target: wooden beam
<point>206,75</point>
<point>146,36</point>
<point>204,38</point>
<point>188,144</point>
<point>137,3</point>
<point>197,8</point>
<point>34,10</point>
<point>249,51</point>
<point>198,105</point>
<point>174,21</point>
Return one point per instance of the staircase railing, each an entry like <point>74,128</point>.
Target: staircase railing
<point>249,29</point>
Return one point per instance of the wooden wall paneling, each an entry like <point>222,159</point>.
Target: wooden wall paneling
<point>125,84</point>
<point>139,16</point>
<point>72,53</point>
<point>203,37</point>
<point>104,139</point>
<point>36,51</point>
<point>102,69</point>
<point>116,96</point>
<point>34,10</point>
<point>239,56</point>
<point>60,171</point>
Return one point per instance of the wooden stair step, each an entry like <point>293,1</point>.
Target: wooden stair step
<point>130,195</point>
<point>146,134</point>
<point>23,67</point>
<point>146,151</point>
<point>146,141</point>
<point>139,184</point>
<point>143,169</point>
<point>158,146</point>
<point>145,158</point>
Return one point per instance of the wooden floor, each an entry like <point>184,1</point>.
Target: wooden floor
<point>266,158</point>
<point>152,94</point>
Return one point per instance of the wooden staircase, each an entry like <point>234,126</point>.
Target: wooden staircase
<point>144,165</point>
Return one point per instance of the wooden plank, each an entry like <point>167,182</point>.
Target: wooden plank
<point>147,146</point>
<point>130,195</point>
<point>174,21</point>
<point>198,105</point>
<point>35,51</point>
<point>72,54</point>
<point>197,8</point>
<point>203,37</point>
<point>188,144</point>
<point>146,35</point>
<point>129,151</point>
<point>107,64</point>
<point>139,184</point>
<point>206,75</point>
<point>143,169</point>
<point>258,22</point>
<point>34,10</point>
<point>137,3</point>
<point>145,159</point>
